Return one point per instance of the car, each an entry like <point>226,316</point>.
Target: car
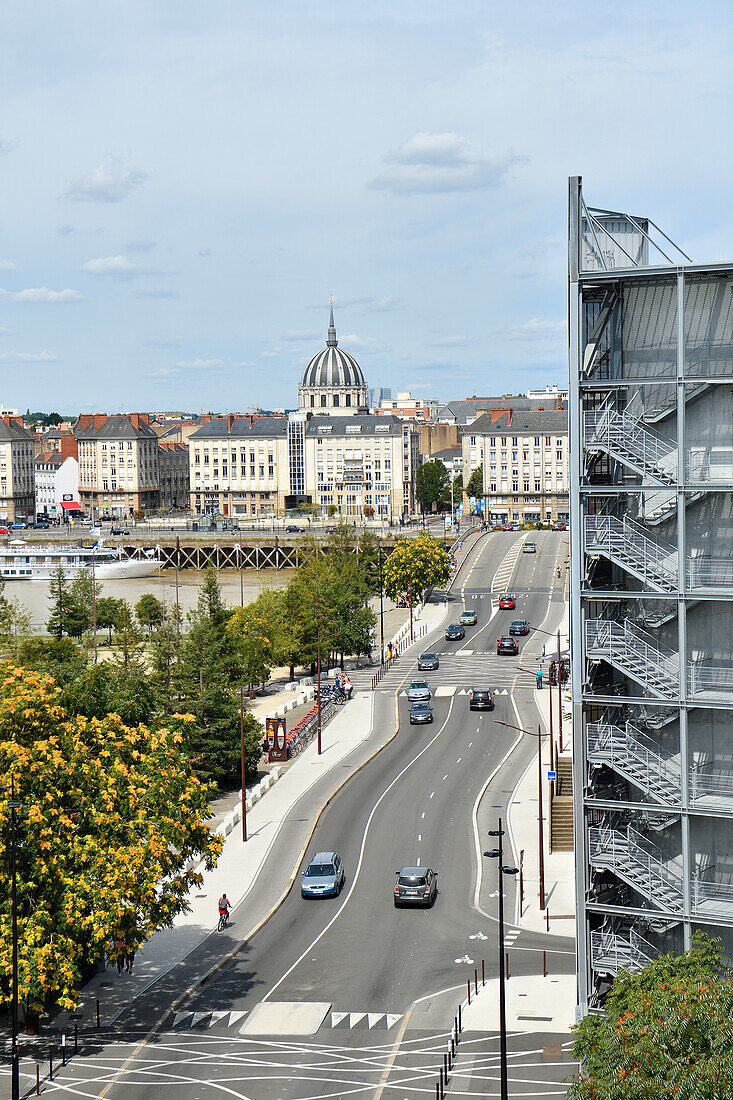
<point>420,713</point>
<point>559,527</point>
<point>428,662</point>
<point>529,548</point>
<point>41,525</point>
<point>519,627</point>
<point>415,886</point>
<point>455,630</point>
<point>468,618</point>
<point>507,602</point>
<point>323,877</point>
<point>480,699</point>
<point>507,646</point>
<point>293,529</point>
<point>119,531</point>
<point>19,526</point>
<point>507,527</point>
<point>4,530</point>
<point>418,691</point>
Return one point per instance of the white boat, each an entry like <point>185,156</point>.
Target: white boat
<point>23,561</point>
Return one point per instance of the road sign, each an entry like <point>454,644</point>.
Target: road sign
<point>448,522</point>
<point>551,776</point>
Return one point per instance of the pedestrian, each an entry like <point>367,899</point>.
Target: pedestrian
<point>347,687</point>
<point>389,651</point>
<point>129,959</point>
<point>120,949</point>
<point>539,679</point>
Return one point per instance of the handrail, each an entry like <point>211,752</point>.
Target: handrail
<point>618,746</point>
<point>608,846</point>
<point>623,640</point>
<point>611,533</point>
<point>631,437</point>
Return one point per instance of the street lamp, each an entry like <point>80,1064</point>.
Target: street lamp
<point>498,854</point>
<point>381,599</point>
<point>14,805</point>
<point>541,867</point>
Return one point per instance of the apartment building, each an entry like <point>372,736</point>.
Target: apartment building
<point>525,459</point>
<point>264,466</point>
<point>16,471</point>
<point>56,476</point>
<point>651,408</point>
<point>119,471</point>
<point>407,407</point>
<point>173,467</point>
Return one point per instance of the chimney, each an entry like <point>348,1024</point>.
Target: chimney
<point>99,420</point>
<point>69,447</point>
<point>145,417</point>
<point>83,421</point>
<point>206,417</point>
<point>230,420</point>
<point>135,421</point>
<point>251,418</point>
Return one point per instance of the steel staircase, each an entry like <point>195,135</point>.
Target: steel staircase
<point>624,437</point>
<point>638,862</point>
<point>636,654</point>
<point>611,952</point>
<point>635,756</point>
<point>652,561</point>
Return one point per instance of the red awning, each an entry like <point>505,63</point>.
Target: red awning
<point>70,506</point>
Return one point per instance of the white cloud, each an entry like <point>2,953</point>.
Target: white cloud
<point>385,305</point>
<point>42,295</point>
<point>200,364</point>
<point>536,329</point>
<point>438,163</point>
<point>110,181</point>
<point>28,357</point>
<point>360,342</point>
<point>8,265</point>
<point>269,354</point>
<point>119,267</point>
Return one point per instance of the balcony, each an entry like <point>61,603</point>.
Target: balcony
<point>612,952</point>
<point>635,654</point>
<point>711,787</point>
<point>652,561</point>
<point>625,438</point>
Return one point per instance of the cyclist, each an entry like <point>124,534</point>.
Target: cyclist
<point>224,907</point>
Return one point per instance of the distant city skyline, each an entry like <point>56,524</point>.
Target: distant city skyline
<point>184,188</point>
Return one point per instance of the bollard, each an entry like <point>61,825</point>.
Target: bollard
<point>442,1084</point>
<point>544,964</point>
<point>507,964</point>
<point>475,980</point>
<point>460,1022</point>
<point>38,1080</point>
<point>469,990</point>
<point>97,1012</point>
<point>483,973</point>
<point>547,917</point>
<point>445,1068</point>
<point>63,1050</point>
<point>50,1067</point>
<point>76,1039</point>
<point>437,1091</point>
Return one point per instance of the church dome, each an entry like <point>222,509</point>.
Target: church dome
<point>332,382</point>
<point>332,366</point>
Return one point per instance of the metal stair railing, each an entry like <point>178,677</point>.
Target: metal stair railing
<point>613,952</point>
<point>704,572</point>
<point>712,898</point>
<point>628,544</point>
<point>710,680</point>
<point>705,466</point>
<point>624,437</point>
<point>706,782</point>
<point>632,753</point>
<point>635,653</point>
<point>637,861</point>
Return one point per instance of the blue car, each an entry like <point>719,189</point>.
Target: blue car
<point>323,877</point>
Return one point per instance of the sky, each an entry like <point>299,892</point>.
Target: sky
<point>184,185</point>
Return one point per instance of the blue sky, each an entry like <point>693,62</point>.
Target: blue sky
<point>184,185</point>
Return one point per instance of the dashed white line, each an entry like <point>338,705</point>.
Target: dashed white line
<point>471,742</point>
<point>444,778</point>
<point>422,815</point>
<point>432,793</point>
<point>419,836</point>
<point>418,861</point>
<point>459,760</point>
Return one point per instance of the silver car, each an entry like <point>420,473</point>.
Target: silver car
<point>323,877</point>
<point>418,691</point>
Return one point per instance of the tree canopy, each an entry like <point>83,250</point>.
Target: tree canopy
<point>109,816</point>
<point>666,1031</point>
<point>475,487</point>
<point>431,481</point>
<point>414,566</point>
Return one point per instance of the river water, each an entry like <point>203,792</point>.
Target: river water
<point>33,595</point>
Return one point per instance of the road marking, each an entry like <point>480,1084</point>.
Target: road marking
<point>471,742</point>
<point>444,778</point>
<point>459,760</point>
<point>418,861</point>
<point>432,793</point>
<point>360,861</point>
<point>419,837</point>
<point>422,815</point>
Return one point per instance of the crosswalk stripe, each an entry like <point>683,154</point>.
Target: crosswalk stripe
<point>445,690</point>
<point>234,1018</point>
<point>392,1018</point>
<point>374,1018</point>
<point>337,1018</point>
<point>355,1018</point>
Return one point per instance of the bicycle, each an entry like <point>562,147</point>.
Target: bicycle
<point>223,921</point>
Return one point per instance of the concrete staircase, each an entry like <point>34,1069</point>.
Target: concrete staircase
<point>561,807</point>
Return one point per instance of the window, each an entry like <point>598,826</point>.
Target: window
<point>262,471</point>
<point>526,484</point>
<point>335,400</point>
<point>348,400</point>
<point>537,441</point>
<point>515,486</point>
<point>537,485</point>
<point>323,400</point>
<point>206,458</point>
<point>548,441</point>
<point>473,440</point>
<point>313,400</point>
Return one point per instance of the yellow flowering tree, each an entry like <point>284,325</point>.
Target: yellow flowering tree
<point>414,566</point>
<point>110,815</point>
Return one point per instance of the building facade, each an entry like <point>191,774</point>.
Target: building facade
<point>332,383</point>
<point>173,467</point>
<point>119,472</point>
<point>16,471</point>
<point>525,459</point>
<point>57,481</point>
<point>651,407</point>
<point>238,466</point>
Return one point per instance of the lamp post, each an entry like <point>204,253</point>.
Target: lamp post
<point>381,599</point>
<point>14,805</point>
<point>241,741</point>
<point>498,854</point>
<point>541,861</point>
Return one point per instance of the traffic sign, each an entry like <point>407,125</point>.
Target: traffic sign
<point>448,522</point>
<point>551,776</point>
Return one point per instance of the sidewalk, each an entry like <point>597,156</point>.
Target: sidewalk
<point>533,1004</point>
<point>522,824</point>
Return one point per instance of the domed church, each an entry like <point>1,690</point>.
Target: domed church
<point>332,383</point>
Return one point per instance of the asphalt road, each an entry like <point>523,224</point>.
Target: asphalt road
<point>414,803</point>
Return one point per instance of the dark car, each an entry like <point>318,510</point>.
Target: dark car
<point>41,525</point>
<point>455,630</point>
<point>428,662</point>
<point>415,886</point>
<point>519,627</point>
<point>481,699</point>
<point>507,646</point>
<point>419,713</point>
<point>293,529</point>
<point>559,527</point>
<point>323,877</point>
<point>119,531</point>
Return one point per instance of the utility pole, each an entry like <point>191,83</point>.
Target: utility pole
<point>241,740</point>
<point>498,853</point>
<point>381,600</point>
<point>178,608</point>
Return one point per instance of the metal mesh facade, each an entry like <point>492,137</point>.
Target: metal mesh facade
<point>651,496</point>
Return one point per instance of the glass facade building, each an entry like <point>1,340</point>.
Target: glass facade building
<point>651,501</point>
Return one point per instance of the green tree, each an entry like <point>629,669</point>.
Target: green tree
<point>127,638</point>
<point>60,658</point>
<point>431,481</point>
<point>80,603</point>
<point>58,596</point>
<point>149,612</point>
<point>112,816</point>
<point>475,487</point>
<point>414,566</point>
<point>108,610</point>
<point>111,688</point>
<point>251,633</point>
<point>664,1032</point>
